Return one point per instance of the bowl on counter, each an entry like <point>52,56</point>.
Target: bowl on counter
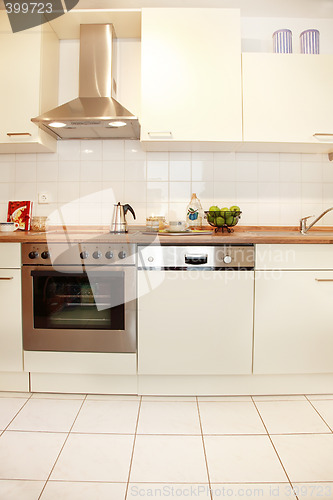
<point>224,219</point>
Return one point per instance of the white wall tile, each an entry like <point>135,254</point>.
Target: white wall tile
<point>246,171</point>
<point>269,213</point>
<point>290,214</point>
<point>25,191</point>
<point>135,170</point>
<point>246,156</point>
<point>180,156</point>
<point>312,171</point>
<point>249,216</point>
<point>268,171</point>
<point>157,170</point>
<point>113,150</point>
<point>157,192</point>
<point>26,171</point>
<point>312,193</point>
<point>224,191</point>
<point>134,151</point>
<point>157,209</point>
<point>202,170</point>
<point>91,171</point>
<point>113,170</point>
<point>68,191</point>
<point>328,194</point>
<point>202,156</point>
<point>180,170</point>
<point>177,211</point>
<point>8,158</point>
<point>69,150</point>
<point>290,192</point>
<point>327,171</point>
<point>6,192</point>
<point>47,171</point>
<point>69,170</point>
<point>90,192</point>
<point>26,157</point>
<point>51,188</point>
<point>157,155</point>
<point>113,192</point>
<point>204,191</point>
<point>286,157</point>
<point>290,171</point>
<point>224,156</point>
<point>246,192</point>
<point>224,171</point>
<point>91,150</point>
<point>47,157</point>
<point>268,192</point>
<point>179,192</point>
<point>90,213</point>
<point>135,192</point>
<point>7,171</point>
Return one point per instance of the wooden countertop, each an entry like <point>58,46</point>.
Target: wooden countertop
<point>241,235</point>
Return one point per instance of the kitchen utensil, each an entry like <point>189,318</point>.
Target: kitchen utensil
<point>282,41</point>
<point>8,227</point>
<point>119,224</point>
<point>223,220</point>
<point>309,42</point>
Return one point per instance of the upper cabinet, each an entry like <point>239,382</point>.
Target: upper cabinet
<point>29,86</point>
<point>287,98</point>
<point>191,77</point>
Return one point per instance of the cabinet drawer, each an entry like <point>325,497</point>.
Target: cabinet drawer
<point>10,255</point>
<point>307,256</point>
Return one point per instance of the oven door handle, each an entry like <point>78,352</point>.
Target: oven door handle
<point>55,273</point>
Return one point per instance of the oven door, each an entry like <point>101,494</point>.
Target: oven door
<point>70,309</point>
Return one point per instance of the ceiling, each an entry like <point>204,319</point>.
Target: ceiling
<point>249,8</point>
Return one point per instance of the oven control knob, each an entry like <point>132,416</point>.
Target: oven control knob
<point>45,255</point>
<point>122,254</point>
<point>84,255</point>
<point>33,255</point>
<point>227,259</point>
<point>97,254</point>
<point>109,254</point>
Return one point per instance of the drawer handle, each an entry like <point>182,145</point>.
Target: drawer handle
<point>196,260</point>
<point>7,279</point>
<point>321,280</point>
<point>166,133</point>
<point>18,133</point>
<point>323,137</point>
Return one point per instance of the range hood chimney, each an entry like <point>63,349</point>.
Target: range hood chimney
<point>94,114</point>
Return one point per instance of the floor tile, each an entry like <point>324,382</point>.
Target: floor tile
<point>94,457</point>
<point>325,408</point>
<point>175,417</point>
<point>20,490</point>
<point>174,459</point>
<point>311,491</point>
<point>54,395</point>
<point>167,490</point>
<point>290,417</point>
<point>107,416</point>
<point>190,399</point>
<point>52,415</point>
<point>111,397</point>
<point>282,397</point>
<point>306,457</point>
<point>242,459</point>
<point>265,491</point>
<point>83,491</point>
<point>28,455</point>
<point>230,418</point>
<point>233,399</point>
<point>5,394</point>
<point>8,409</point>
<point>315,397</point>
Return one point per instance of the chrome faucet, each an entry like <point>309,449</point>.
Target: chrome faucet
<point>304,228</point>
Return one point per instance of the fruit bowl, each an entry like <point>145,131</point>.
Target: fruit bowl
<point>224,219</point>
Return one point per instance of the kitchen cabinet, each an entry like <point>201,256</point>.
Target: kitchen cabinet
<point>293,332</point>
<point>29,86</point>
<point>195,322</point>
<point>191,77</point>
<point>287,98</point>
<point>11,353</point>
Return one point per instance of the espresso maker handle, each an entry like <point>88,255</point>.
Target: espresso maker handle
<point>127,208</point>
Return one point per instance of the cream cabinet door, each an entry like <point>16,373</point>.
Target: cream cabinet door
<point>11,353</point>
<point>287,97</point>
<point>29,83</point>
<point>191,75</point>
<point>195,322</point>
<point>293,322</point>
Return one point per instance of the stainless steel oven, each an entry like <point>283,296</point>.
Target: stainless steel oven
<point>79,297</point>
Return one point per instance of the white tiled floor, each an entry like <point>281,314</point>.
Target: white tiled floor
<point>98,447</point>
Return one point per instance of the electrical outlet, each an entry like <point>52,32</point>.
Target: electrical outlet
<point>43,198</point>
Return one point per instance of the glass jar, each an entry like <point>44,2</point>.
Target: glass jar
<point>38,224</point>
<point>155,223</point>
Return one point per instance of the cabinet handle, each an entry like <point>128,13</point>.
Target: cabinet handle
<point>7,279</point>
<point>323,137</point>
<point>321,280</point>
<point>166,133</point>
<point>18,133</point>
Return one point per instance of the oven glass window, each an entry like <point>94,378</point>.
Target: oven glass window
<point>79,301</point>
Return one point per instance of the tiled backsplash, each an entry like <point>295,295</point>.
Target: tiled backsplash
<point>85,178</point>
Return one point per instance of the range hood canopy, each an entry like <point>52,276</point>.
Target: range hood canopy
<point>95,114</point>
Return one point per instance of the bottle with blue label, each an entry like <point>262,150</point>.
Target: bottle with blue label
<point>194,213</point>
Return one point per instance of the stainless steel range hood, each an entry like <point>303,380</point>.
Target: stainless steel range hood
<point>94,114</point>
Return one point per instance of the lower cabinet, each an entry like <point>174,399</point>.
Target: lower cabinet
<point>293,323</point>
<point>11,354</point>
<point>195,322</point>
